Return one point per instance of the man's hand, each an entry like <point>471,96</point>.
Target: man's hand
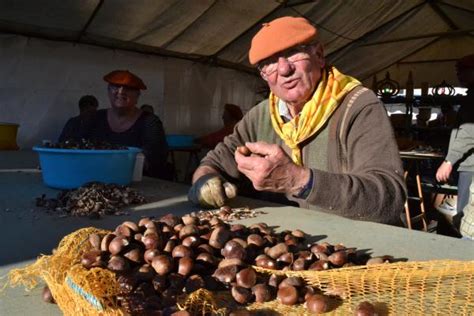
<point>211,190</point>
<point>444,171</point>
<point>270,168</point>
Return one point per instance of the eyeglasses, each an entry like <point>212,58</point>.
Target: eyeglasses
<point>270,65</point>
<point>115,87</point>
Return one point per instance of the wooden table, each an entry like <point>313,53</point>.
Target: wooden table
<point>27,231</point>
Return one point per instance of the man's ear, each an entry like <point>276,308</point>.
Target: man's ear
<point>320,55</point>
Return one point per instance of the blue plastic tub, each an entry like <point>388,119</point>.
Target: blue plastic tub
<point>71,168</point>
<point>179,140</point>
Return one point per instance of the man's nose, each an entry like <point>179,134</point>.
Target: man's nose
<point>284,66</point>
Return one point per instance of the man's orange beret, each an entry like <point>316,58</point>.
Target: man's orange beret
<point>278,35</point>
<point>125,78</point>
<point>466,62</point>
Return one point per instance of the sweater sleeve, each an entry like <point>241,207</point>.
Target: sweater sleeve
<point>460,143</point>
<point>372,187</point>
<point>222,157</point>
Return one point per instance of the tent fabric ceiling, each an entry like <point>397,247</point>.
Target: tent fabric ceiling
<point>362,37</point>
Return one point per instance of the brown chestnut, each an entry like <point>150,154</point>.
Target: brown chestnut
<point>292,281</point>
<point>227,274</point>
<point>317,303</point>
<point>48,296</point>
<point>287,295</point>
<point>207,259</point>
<point>162,264</point>
<point>145,223</point>
<point>219,237</point>
<point>123,230</point>
<point>118,244</point>
<point>255,239</point>
<point>185,265</point>
<point>205,248</point>
<point>94,240</point>
<point>298,234</point>
<point>319,265</point>
<point>241,295</point>
<point>91,258</point>
<point>181,251</point>
<point>151,240</point>
<point>104,244</point>
<point>233,249</point>
<point>246,278</point>
<point>365,309</point>
<point>262,293</point>
<point>170,244</point>
<point>188,219</point>
<point>338,258</point>
<point>188,230</point>
<point>274,280</point>
<point>170,220</point>
<point>150,254</point>
<point>277,250</point>
<point>265,261</point>
<point>134,255</point>
<point>299,264</point>
<point>285,259</point>
<point>191,241</point>
<point>231,262</point>
<point>244,150</point>
<point>117,264</point>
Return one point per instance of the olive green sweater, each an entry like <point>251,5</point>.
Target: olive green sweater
<point>362,177</point>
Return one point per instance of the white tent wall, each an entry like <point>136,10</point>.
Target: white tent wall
<point>42,81</point>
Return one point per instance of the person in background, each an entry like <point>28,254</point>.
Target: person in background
<point>77,127</point>
<point>147,108</point>
<point>231,116</point>
<point>321,139</point>
<point>461,144</point>
<point>125,124</point>
<point>467,221</point>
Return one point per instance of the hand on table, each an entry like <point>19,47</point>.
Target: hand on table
<point>270,168</point>
<point>444,171</point>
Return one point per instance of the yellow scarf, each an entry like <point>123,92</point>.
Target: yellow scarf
<point>332,89</point>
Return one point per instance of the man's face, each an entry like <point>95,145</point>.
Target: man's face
<point>297,73</point>
<point>122,97</point>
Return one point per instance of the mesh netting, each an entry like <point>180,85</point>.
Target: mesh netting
<point>441,287</point>
<point>437,287</point>
<point>77,291</point>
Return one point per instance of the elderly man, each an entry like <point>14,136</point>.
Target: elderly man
<point>321,139</point>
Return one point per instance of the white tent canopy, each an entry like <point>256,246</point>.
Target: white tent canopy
<point>193,53</point>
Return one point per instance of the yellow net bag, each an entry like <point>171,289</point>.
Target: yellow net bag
<point>77,291</point>
<point>441,287</point>
<point>437,287</point>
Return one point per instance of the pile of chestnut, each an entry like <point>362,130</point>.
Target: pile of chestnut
<point>157,260</point>
<point>94,199</point>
